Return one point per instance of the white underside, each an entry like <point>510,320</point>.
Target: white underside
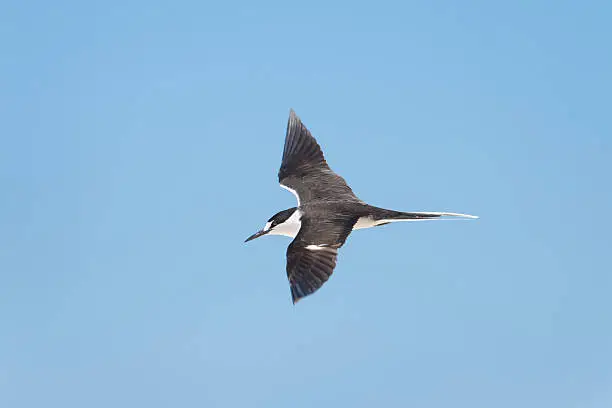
<point>289,228</point>
<point>365,222</point>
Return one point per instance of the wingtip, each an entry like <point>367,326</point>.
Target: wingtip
<point>293,119</point>
<point>294,296</point>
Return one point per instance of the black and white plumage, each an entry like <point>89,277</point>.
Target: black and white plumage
<point>327,212</point>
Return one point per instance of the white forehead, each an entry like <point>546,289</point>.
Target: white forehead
<point>267,226</point>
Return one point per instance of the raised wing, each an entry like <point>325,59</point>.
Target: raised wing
<point>311,257</point>
<point>304,170</point>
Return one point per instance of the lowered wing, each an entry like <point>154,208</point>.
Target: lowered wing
<point>311,257</point>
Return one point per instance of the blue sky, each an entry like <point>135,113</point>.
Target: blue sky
<point>140,142</point>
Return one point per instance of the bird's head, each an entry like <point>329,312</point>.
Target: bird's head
<point>282,223</point>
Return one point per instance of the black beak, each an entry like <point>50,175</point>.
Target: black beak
<point>256,235</point>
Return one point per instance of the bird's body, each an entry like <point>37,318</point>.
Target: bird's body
<point>367,216</point>
<point>327,212</point>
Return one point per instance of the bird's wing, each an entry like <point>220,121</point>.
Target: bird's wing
<point>304,170</point>
<point>311,257</point>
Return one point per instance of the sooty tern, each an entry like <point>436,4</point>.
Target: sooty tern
<point>327,212</point>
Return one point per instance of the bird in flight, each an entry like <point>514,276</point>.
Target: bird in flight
<point>326,213</point>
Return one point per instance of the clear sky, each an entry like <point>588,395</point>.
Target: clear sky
<point>139,147</point>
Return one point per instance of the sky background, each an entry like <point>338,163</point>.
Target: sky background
<point>139,146</point>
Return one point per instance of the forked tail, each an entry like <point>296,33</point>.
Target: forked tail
<point>375,216</point>
<point>387,216</point>
<point>415,216</point>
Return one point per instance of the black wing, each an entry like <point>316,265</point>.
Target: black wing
<point>311,257</point>
<point>305,171</point>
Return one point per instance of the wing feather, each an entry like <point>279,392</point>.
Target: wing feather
<point>304,169</point>
<point>312,256</point>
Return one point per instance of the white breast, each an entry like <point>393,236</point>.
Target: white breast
<point>289,228</point>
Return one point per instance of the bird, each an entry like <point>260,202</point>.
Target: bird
<point>327,212</point>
